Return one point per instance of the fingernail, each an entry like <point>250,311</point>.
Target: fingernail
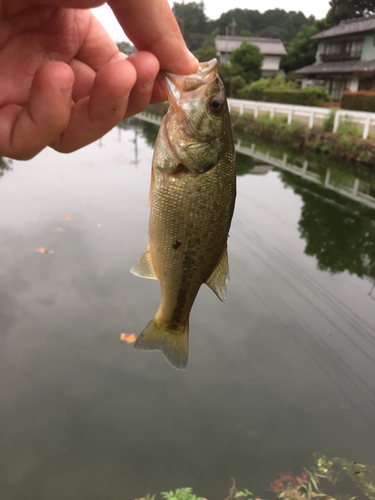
<point>67,90</point>
<point>148,85</point>
<point>192,56</point>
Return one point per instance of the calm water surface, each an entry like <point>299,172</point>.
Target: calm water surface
<point>85,417</point>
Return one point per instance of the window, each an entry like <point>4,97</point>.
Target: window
<point>336,88</point>
<point>350,48</point>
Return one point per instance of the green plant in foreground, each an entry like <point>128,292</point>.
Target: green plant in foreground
<point>329,121</point>
<point>347,127</point>
<point>243,495</point>
<point>180,494</point>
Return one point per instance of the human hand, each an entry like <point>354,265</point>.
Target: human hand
<point>63,81</point>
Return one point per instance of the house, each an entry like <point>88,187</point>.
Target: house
<point>272,48</point>
<point>345,59</point>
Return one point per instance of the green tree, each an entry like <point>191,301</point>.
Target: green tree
<point>246,61</point>
<point>205,53</point>
<point>270,32</point>
<point>294,23</point>
<point>122,46</point>
<point>302,50</point>
<point>193,23</point>
<point>348,9</point>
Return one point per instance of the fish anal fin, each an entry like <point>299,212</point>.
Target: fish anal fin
<point>172,342</point>
<point>220,276</point>
<point>143,267</point>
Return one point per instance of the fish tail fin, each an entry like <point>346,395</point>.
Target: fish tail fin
<point>173,342</point>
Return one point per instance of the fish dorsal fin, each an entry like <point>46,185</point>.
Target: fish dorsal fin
<point>143,267</point>
<point>220,276</point>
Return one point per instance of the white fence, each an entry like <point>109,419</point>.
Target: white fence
<point>307,113</point>
<point>357,191</point>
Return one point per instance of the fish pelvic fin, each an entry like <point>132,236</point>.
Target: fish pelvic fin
<point>172,342</point>
<point>143,267</point>
<point>219,277</point>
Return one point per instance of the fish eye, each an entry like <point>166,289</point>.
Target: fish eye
<point>216,104</point>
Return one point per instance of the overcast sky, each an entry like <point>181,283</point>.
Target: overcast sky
<point>214,9</point>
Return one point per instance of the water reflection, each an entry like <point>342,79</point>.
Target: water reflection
<point>338,236</point>
<point>85,417</point>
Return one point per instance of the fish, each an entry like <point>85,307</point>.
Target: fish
<point>192,197</point>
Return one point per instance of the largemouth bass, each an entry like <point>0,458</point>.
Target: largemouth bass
<point>193,189</point>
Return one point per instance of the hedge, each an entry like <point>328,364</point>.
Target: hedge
<point>359,101</point>
<point>309,96</point>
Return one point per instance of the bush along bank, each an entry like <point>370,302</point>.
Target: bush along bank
<point>345,144</point>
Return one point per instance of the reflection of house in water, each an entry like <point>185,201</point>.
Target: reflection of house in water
<point>272,48</point>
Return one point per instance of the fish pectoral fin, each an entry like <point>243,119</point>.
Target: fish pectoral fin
<point>220,276</point>
<point>173,343</point>
<point>143,267</point>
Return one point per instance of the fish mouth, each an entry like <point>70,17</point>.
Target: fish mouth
<point>177,85</point>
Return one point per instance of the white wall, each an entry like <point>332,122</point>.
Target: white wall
<point>271,63</point>
<point>353,84</point>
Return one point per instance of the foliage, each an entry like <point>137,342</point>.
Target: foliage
<point>246,61</point>
<point>302,50</point>
<point>359,101</point>
<point>278,128</point>
<point>193,23</point>
<point>4,165</point>
<point>236,84</point>
<point>310,483</point>
<point>294,23</point>
<point>205,53</point>
<point>180,494</point>
<point>254,91</point>
<point>349,9</point>
<point>123,45</point>
<point>329,121</point>
<point>347,127</point>
<point>309,96</point>
<point>273,23</point>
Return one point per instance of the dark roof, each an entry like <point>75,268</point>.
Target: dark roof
<point>348,27</point>
<point>337,67</point>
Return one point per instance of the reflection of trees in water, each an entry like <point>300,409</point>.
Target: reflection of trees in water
<point>338,232</point>
<point>4,165</point>
<point>244,164</point>
<point>149,132</point>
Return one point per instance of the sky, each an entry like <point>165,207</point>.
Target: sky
<point>214,9</point>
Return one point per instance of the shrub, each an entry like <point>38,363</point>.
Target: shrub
<point>236,84</point>
<point>347,127</point>
<point>277,126</point>
<point>254,91</point>
<point>309,96</point>
<point>329,122</point>
<point>358,101</point>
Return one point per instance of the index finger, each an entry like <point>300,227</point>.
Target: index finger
<point>152,27</point>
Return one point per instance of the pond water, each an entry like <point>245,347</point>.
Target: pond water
<point>283,368</point>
